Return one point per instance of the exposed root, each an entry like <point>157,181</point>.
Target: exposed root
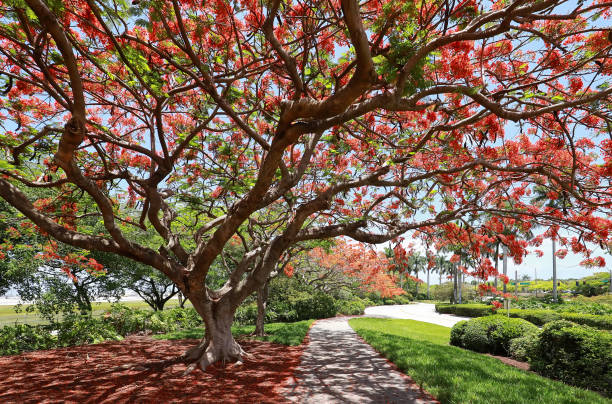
<point>206,354</point>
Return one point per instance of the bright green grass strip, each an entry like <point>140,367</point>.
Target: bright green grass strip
<point>279,333</point>
<point>457,376</point>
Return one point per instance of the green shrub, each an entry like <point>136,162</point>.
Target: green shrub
<point>473,310</point>
<point>18,338</point>
<point>78,330</point>
<point>402,299</point>
<point>491,333</point>
<point>444,308</point>
<point>577,355</point>
<point>246,314</point>
<point>319,305</point>
<point>350,308</point>
<point>535,316</point>
<point>523,348</point>
<point>466,310</point>
<point>603,322</point>
<point>126,320</point>
<point>456,335</point>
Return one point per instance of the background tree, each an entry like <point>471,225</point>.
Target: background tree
<point>343,119</point>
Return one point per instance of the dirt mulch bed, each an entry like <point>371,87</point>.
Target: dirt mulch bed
<point>511,362</point>
<point>92,374</point>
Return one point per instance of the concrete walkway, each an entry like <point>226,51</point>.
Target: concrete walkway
<point>418,311</point>
<point>338,367</point>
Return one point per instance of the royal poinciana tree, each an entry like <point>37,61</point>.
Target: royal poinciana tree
<point>359,119</point>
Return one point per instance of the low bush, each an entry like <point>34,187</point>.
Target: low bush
<point>350,307</point>
<point>74,329</point>
<point>523,348</point>
<point>577,355</point>
<point>466,310</point>
<point>318,305</point>
<point>18,338</point>
<point>79,330</point>
<point>126,320</point>
<point>456,334</point>
<point>603,322</point>
<point>490,334</point>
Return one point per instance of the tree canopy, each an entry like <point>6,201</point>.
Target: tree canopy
<point>270,124</point>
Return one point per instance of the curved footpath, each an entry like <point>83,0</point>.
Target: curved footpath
<point>338,367</point>
<point>425,312</point>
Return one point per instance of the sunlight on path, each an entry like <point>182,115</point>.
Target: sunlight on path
<point>338,367</point>
<point>418,311</point>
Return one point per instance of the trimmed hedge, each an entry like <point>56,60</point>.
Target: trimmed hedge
<point>577,355</point>
<point>466,310</point>
<point>490,334</point>
<point>537,317</point>
<point>523,348</point>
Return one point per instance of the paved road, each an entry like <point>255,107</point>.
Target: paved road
<point>417,311</point>
<point>338,367</point>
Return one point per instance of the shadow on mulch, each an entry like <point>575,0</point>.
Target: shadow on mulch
<point>91,374</point>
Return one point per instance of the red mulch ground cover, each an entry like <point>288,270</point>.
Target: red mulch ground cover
<point>90,374</point>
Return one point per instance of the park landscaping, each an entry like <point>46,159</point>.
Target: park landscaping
<point>574,313</point>
<point>455,375</point>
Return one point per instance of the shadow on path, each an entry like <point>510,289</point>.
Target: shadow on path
<point>338,367</point>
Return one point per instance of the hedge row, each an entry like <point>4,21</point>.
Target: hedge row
<point>537,317</point>
<point>490,334</point>
<point>575,354</point>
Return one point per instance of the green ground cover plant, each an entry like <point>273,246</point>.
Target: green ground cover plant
<point>455,375</point>
<point>280,333</point>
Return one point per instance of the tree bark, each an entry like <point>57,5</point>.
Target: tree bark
<point>262,301</point>
<point>218,344</point>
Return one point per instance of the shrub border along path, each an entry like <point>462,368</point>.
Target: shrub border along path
<point>456,375</point>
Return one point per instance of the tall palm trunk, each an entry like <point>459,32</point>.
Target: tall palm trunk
<point>496,262</point>
<point>554,257</point>
<point>505,265</point>
<point>428,283</point>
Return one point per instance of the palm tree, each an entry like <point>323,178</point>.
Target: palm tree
<point>542,198</point>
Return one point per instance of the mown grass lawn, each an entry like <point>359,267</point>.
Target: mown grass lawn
<point>279,333</point>
<point>457,376</point>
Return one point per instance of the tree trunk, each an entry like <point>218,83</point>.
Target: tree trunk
<point>459,283</point>
<point>505,265</point>
<point>554,257</point>
<point>262,301</point>
<point>454,284</point>
<point>427,283</point>
<point>496,263</point>
<point>218,344</point>
<point>181,300</point>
